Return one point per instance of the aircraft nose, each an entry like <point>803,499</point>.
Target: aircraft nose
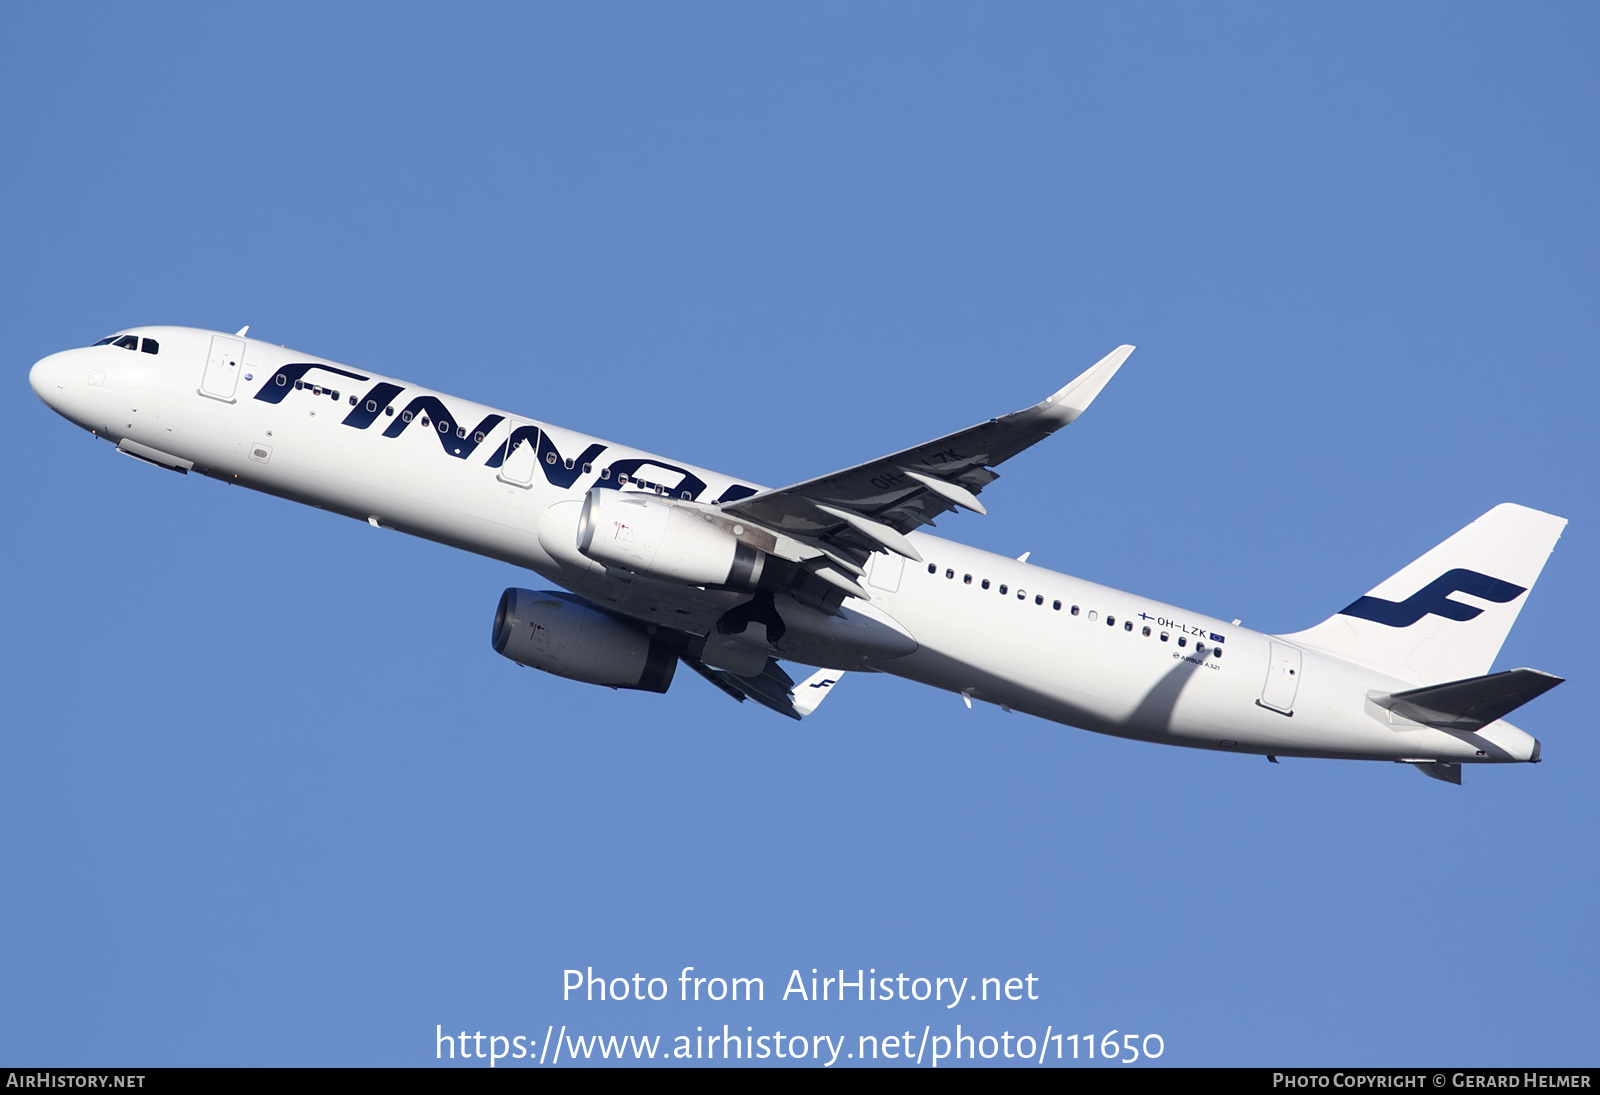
<point>45,378</point>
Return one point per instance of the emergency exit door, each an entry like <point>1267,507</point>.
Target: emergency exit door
<point>519,454</point>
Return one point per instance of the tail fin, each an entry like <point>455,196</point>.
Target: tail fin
<point>1413,626</point>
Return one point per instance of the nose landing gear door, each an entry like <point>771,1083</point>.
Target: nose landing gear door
<point>222,368</point>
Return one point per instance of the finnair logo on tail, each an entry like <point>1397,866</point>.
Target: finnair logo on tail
<point>1434,598</point>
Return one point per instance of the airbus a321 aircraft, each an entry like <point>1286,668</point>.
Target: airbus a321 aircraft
<point>662,563</point>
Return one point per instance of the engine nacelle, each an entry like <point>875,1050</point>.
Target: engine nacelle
<point>641,533</point>
<point>566,635</point>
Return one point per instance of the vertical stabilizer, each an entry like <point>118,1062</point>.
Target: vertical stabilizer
<point>1445,616</point>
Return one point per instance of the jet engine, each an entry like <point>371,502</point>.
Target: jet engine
<point>566,635</point>
<point>641,533</point>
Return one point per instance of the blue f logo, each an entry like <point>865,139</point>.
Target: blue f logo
<point>1434,598</point>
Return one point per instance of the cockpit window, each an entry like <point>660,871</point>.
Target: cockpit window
<point>128,342</point>
<point>151,346</point>
<point>107,340</point>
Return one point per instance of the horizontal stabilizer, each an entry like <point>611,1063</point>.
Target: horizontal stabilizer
<point>1471,704</point>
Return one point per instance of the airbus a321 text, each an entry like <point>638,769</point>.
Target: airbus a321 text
<point>660,562</point>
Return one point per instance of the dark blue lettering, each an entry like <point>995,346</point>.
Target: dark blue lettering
<point>459,447</point>
<point>371,405</point>
<point>281,383</point>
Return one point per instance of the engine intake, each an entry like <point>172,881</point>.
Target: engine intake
<point>566,635</point>
<point>641,533</point>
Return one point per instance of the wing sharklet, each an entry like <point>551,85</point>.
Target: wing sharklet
<point>809,693</point>
<point>1074,399</point>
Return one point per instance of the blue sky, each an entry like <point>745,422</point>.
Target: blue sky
<point>272,798</point>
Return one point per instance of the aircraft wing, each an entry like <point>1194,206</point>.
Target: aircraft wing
<point>852,513</point>
<point>772,687</point>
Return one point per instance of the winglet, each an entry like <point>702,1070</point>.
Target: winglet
<point>809,693</point>
<point>1074,399</point>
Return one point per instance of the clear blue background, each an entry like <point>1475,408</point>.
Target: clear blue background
<point>271,797</point>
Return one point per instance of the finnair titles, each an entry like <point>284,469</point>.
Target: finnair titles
<point>661,563</point>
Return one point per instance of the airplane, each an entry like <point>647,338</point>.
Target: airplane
<point>661,563</point>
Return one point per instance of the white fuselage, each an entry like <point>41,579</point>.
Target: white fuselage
<point>415,460</point>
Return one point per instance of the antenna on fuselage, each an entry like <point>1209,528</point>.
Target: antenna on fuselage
<point>243,331</point>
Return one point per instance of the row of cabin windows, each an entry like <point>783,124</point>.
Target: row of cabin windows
<point>372,406</point>
<point>131,342</point>
<point>1111,621</point>
<point>314,389</point>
